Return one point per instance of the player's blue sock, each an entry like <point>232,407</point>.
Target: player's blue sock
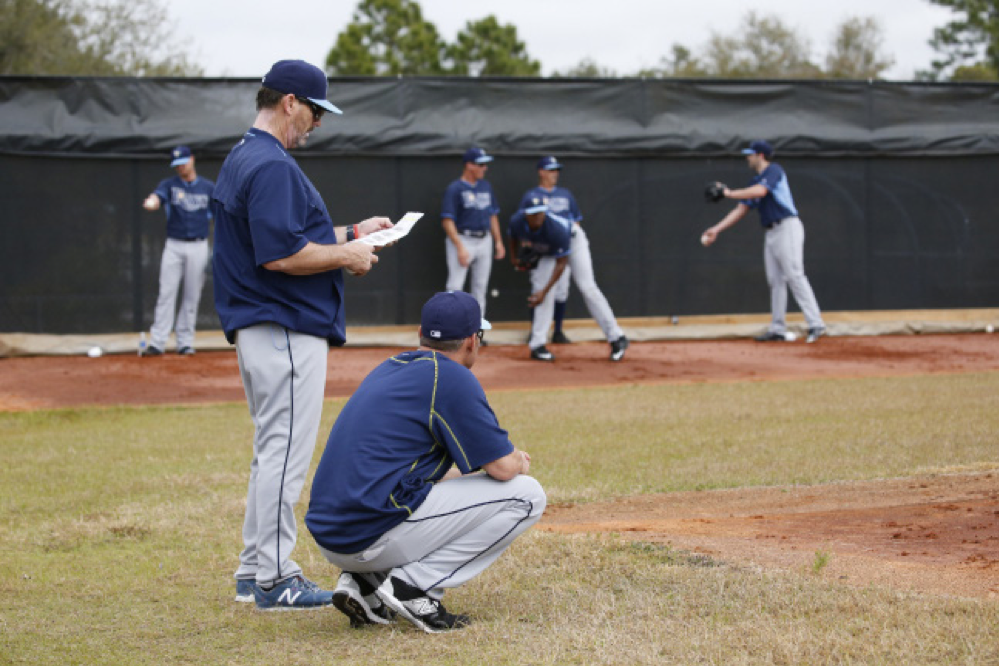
<point>559,315</point>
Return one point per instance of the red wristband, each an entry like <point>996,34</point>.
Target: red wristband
<point>357,231</point>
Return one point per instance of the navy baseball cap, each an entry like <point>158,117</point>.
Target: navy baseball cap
<point>549,163</point>
<point>299,78</point>
<point>452,315</point>
<point>759,147</point>
<point>180,155</point>
<point>477,156</point>
<point>537,205</point>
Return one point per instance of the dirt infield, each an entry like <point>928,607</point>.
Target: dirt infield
<point>937,534</point>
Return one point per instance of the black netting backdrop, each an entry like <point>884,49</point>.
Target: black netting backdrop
<point>892,182</point>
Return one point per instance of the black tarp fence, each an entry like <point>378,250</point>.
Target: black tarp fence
<point>892,180</point>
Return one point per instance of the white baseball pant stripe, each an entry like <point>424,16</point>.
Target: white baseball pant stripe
<point>182,261</point>
<point>581,265</point>
<point>284,376</point>
<point>784,259</point>
<point>462,527</point>
<point>480,264</point>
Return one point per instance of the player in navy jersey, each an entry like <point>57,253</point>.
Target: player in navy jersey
<point>186,198</point>
<point>469,216</point>
<point>561,204</point>
<point>561,244</point>
<point>279,294</point>
<point>419,489</point>
<point>784,243</point>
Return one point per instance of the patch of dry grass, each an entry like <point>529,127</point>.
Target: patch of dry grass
<point>121,528</point>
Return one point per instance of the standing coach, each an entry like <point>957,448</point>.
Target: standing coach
<point>279,295</point>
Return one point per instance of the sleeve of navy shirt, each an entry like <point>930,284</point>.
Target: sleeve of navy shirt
<point>518,225</point>
<point>575,215</point>
<point>278,206</point>
<point>163,191</point>
<point>452,202</point>
<point>463,421</point>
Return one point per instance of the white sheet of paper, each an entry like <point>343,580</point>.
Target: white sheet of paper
<point>386,236</point>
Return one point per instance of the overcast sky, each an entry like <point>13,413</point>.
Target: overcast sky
<point>229,38</point>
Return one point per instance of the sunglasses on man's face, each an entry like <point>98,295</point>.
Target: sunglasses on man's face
<point>317,111</point>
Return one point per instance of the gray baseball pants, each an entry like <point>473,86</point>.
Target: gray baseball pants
<point>462,527</point>
<point>284,376</point>
<point>581,265</point>
<point>183,261</point>
<point>784,258</point>
<point>480,265</point>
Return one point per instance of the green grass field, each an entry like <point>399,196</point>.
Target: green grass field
<point>120,530</point>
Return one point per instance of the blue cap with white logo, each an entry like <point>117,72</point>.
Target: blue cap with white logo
<point>452,315</point>
<point>537,205</point>
<point>299,78</point>
<point>477,156</point>
<point>759,148</point>
<point>549,163</point>
<point>180,155</point>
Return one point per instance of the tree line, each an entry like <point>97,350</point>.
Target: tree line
<point>392,38</point>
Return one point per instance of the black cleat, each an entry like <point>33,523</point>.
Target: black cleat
<point>426,613</point>
<point>618,347</point>
<point>542,354</point>
<point>560,338</point>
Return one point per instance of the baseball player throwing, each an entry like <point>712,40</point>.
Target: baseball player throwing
<point>784,243</point>
<point>186,197</point>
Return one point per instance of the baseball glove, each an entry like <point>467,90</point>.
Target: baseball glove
<point>714,192</point>
<point>527,258</point>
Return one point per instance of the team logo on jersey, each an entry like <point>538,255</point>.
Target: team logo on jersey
<point>476,200</point>
<point>557,204</point>
<point>187,201</point>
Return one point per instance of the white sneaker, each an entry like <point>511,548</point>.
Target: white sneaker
<point>361,608</point>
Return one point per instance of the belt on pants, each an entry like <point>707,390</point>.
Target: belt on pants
<point>189,240</point>
<point>775,223</point>
<point>473,234</point>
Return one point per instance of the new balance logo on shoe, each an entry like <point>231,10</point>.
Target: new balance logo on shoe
<point>297,593</point>
<point>288,598</point>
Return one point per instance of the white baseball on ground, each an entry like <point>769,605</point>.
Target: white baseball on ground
<point>990,328</point>
<point>790,337</point>
<point>95,352</point>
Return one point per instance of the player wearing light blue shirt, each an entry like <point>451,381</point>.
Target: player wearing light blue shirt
<point>784,243</point>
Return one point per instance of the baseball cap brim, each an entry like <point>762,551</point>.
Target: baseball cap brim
<point>530,210</point>
<point>179,161</point>
<point>326,104</point>
<point>748,151</point>
<point>484,160</point>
